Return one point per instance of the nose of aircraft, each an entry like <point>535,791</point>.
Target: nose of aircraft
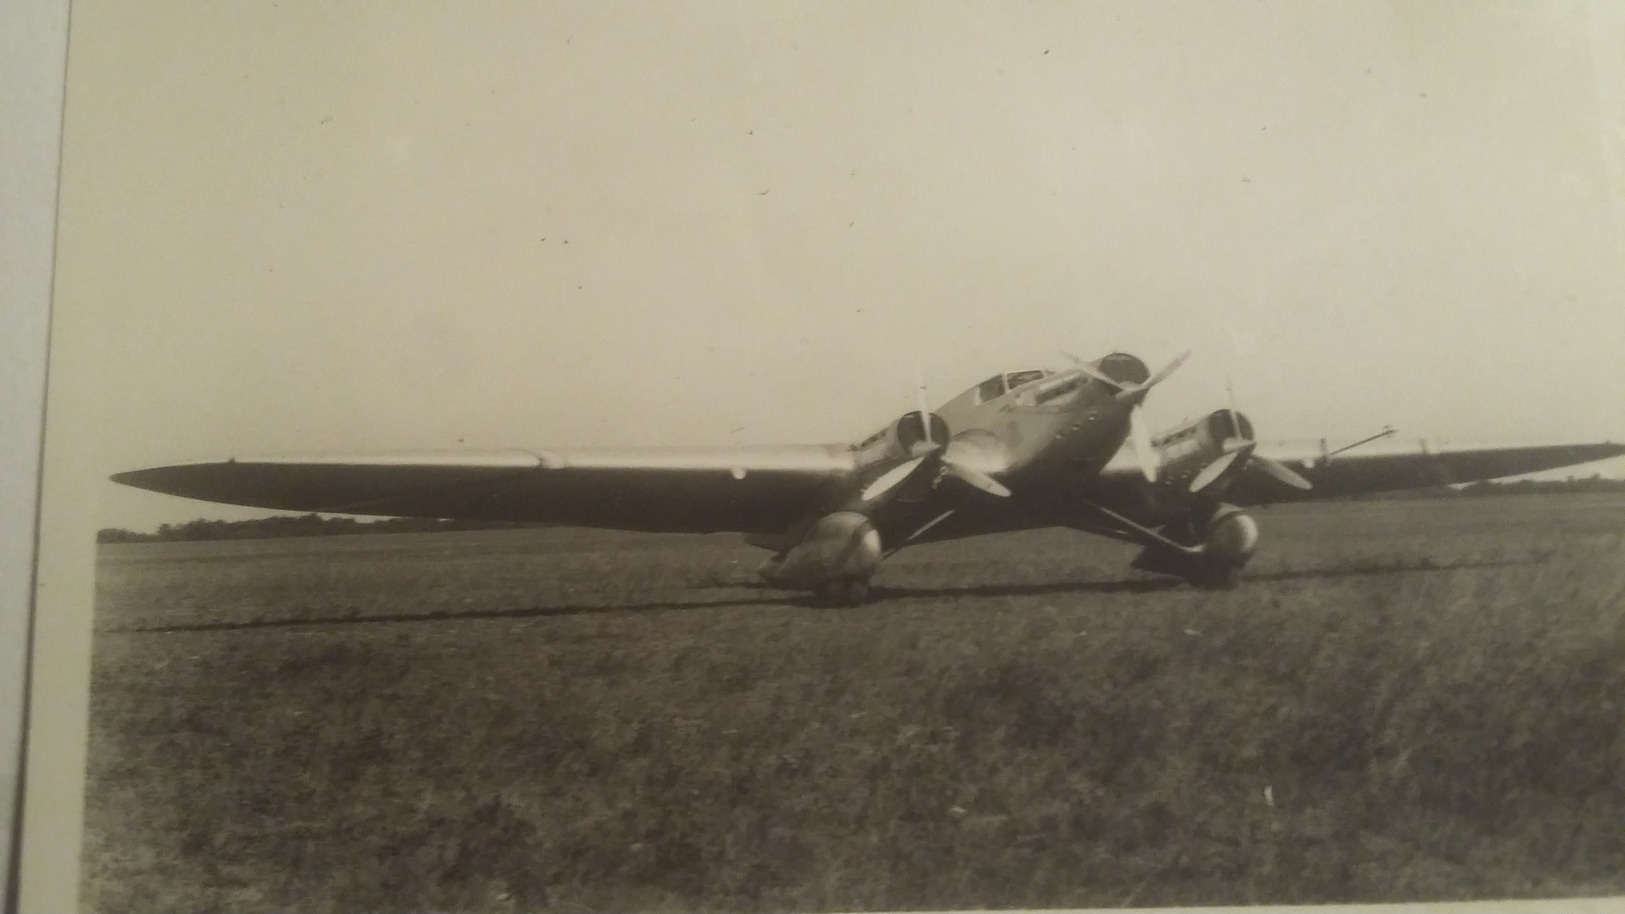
<point>1124,368</point>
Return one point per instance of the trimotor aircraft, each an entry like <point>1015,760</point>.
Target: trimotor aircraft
<point>1022,449</point>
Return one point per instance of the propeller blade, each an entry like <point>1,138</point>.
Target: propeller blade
<point>1126,390</point>
<point>1280,471</point>
<point>925,408</point>
<point>975,478</point>
<point>891,479</point>
<point>1230,399</point>
<point>1213,471</point>
<point>1167,370</point>
<point>1132,397</point>
<point>1097,374</point>
<point>1134,394</point>
<point>1140,434</point>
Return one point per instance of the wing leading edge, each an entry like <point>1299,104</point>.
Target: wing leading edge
<point>677,490</point>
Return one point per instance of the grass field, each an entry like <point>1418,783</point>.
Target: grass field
<point>1405,700</point>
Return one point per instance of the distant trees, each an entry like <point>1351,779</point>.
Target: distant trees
<point>1593,483</point>
<point>302,525</point>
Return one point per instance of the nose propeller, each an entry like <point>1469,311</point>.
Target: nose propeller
<point>1134,395</point>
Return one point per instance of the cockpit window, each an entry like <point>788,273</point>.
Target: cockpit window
<point>1018,378</point>
<point>1058,390</point>
<point>991,389</point>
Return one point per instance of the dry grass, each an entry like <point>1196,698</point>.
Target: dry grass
<point>526,720</point>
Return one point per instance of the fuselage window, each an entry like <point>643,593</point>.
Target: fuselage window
<point>991,389</point>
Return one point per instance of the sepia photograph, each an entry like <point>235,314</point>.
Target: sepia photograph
<point>825,456</point>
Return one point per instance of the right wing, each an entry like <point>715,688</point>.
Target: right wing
<point>676,490</point>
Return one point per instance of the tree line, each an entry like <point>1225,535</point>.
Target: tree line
<point>1592,483</point>
<point>303,525</point>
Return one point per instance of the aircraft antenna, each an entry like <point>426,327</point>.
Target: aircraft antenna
<point>1387,430</point>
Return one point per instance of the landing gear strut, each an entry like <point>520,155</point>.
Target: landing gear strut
<point>845,591</point>
<point>1208,547</point>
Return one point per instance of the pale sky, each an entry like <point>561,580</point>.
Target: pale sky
<point>318,227</point>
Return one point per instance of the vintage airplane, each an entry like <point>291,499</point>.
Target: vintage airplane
<point>1023,449</point>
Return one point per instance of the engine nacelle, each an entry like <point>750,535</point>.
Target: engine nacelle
<point>902,438</point>
<point>1183,453</point>
<point>843,545</point>
<point>910,430</point>
<point>1187,449</point>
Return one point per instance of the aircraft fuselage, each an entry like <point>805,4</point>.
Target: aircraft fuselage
<point>1031,426</point>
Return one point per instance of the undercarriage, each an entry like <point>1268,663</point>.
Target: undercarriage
<point>1207,546</point>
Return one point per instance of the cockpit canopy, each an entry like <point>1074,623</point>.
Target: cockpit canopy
<point>1000,384</point>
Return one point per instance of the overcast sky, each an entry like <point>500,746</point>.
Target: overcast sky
<point>318,227</point>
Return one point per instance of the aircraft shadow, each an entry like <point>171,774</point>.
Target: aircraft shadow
<point>1157,585</point>
<point>770,598</point>
<point>1370,571</point>
<point>529,612</point>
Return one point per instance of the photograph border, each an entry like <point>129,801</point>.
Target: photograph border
<point>45,514</point>
<point>33,68</point>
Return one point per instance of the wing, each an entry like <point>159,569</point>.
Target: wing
<point>1380,466</point>
<point>749,490</point>
<point>1387,465</point>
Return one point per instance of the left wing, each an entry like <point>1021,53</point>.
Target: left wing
<point>1384,466</point>
<point>677,490</point>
